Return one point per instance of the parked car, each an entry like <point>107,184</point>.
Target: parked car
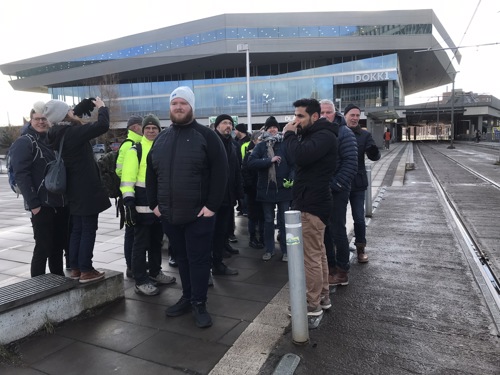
<point>114,146</point>
<point>100,147</point>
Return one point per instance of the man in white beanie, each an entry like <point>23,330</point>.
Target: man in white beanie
<point>186,180</point>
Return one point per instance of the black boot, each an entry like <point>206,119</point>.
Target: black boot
<point>254,242</point>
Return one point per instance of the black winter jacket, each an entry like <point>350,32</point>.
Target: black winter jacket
<point>267,191</point>
<point>84,189</point>
<point>347,161</point>
<point>249,175</point>
<point>187,170</point>
<point>234,188</point>
<point>315,155</point>
<point>29,156</point>
<point>366,145</point>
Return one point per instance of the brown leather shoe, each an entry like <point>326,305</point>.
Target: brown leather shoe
<point>75,274</point>
<point>340,277</point>
<point>362,257</point>
<point>87,277</point>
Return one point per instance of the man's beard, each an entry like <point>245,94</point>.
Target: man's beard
<point>181,118</point>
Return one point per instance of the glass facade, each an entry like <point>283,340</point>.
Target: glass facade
<point>233,33</point>
<point>364,82</point>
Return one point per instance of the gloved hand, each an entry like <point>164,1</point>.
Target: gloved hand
<point>85,107</point>
<point>287,184</point>
<point>130,216</point>
<point>130,211</point>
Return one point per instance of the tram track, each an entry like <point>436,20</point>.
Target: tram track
<point>454,179</point>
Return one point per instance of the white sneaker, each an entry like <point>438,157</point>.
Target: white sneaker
<point>267,256</point>
<point>284,258</point>
<point>147,289</point>
<point>163,279</point>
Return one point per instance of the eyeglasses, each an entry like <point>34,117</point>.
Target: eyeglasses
<point>43,119</point>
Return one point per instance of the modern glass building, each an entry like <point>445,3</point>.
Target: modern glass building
<point>371,59</point>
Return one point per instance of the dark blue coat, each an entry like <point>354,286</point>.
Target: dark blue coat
<point>29,156</point>
<point>347,162</point>
<point>267,191</point>
<point>366,145</point>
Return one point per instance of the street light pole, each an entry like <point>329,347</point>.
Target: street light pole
<point>437,122</point>
<point>240,48</point>
<point>452,112</point>
<point>339,108</point>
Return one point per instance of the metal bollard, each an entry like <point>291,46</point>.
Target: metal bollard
<point>296,277</point>
<point>368,193</point>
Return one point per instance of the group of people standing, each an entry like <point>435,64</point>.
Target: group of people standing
<point>62,222</point>
<point>184,181</point>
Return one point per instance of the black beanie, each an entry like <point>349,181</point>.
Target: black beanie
<point>241,128</point>
<point>349,107</point>
<point>221,118</point>
<point>271,121</point>
<point>151,120</point>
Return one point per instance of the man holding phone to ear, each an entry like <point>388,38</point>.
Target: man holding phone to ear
<point>315,154</point>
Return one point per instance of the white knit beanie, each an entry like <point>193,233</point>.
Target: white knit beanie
<point>185,93</point>
<point>55,111</point>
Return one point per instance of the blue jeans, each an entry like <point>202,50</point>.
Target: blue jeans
<point>81,242</point>
<point>335,232</point>
<point>269,225</point>
<point>192,243</point>
<point>357,199</point>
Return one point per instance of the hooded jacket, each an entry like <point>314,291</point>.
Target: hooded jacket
<point>29,156</point>
<point>315,154</point>
<point>187,170</point>
<point>84,189</point>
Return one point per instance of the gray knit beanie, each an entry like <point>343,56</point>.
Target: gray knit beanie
<point>134,120</point>
<point>55,111</point>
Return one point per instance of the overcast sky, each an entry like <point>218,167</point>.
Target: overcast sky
<point>31,28</point>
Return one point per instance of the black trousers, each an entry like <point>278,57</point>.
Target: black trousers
<point>221,231</point>
<point>147,239</point>
<point>51,234</point>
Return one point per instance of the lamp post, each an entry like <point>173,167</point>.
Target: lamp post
<point>241,48</point>
<point>452,111</point>
<point>339,108</point>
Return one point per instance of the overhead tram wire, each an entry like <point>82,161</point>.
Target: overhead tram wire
<point>455,49</point>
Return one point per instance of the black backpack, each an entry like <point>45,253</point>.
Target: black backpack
<point>107,168</point>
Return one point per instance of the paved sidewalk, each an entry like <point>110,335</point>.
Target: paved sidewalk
<point>133,335</point>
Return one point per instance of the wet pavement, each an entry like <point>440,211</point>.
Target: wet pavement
<point>414,308</point>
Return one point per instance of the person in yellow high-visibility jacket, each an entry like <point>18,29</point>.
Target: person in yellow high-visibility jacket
<point>148,232</point>
<point>134,135</point>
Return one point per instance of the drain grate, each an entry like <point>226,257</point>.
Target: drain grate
<point>36,288</point>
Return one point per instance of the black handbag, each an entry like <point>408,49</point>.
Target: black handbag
<point>55,175</point>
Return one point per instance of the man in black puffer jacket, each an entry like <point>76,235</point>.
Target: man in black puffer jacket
<point>366,145</point>
<point>315,155</point>
<point>336,241</point>
<point>186,180</point>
